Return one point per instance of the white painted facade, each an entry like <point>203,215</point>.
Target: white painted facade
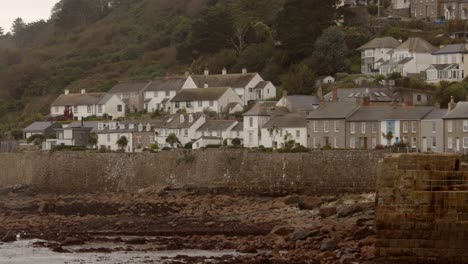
<point>154,99</point>
<point>184,134</point>
<point>276,139</point>
<point>400,4</point>
<point>109,134</point>
<point>419,62</point>
<point>114,107</point>
<point>217,106</point>
<point>252,130</point>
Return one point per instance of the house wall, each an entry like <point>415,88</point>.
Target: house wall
<point>390,125</point>
<point>278,137</point>
<point>411,134</point>
<point>364,139</point>
<point>425,9</point>
<point>195,106</point>
<point>203,142</point>
<point>318,136</point>
<point>111,108</point>
<point>156,98</point>
<point>190,84</point>
<point>269,92</point>
<point>249,93</point>
<point>252,133</point>
<point>162,133</point>
<point>109,140</point>
<point>240,171</point>
<point>429,135</point>
<point>142,140</point>
<point>229,97</point>
<point>135,101</point>
<point>456,136</point>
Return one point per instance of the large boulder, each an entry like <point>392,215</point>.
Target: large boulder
<point>328,245</point>
<point>284,230</point>
<point>9,237</point>
<point>310,202</point>
<point>354,208</point>
<point>327,211</point>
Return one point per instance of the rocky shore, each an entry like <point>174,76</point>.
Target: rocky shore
<point>265,229</point>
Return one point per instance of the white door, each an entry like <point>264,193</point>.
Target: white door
<point>424,143</point>
<point>458,144</point>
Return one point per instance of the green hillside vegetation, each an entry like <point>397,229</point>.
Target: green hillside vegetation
<point>93,44</point>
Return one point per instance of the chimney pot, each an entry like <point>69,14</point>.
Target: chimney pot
<point>67,92</point>
<point>224,71</point>
<point>83,91</point>
<point>244,70</point>
<point>207,72</point>
<point>335,92</point>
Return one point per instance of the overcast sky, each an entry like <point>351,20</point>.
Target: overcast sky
<point>28,10</point>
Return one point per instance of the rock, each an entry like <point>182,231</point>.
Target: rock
<point>302,234</point>
<point>136,241</point>
<point>246,249</point>
<point>368,252</point>
<point>327,211</point>
<point>9,237</point>
<point>282,230</point>
<point>309,202</point>
<point>327,245</point>
<point>363,233</point>
<point>72,241</point>
<point>60,250</point>
<point>291,199</point>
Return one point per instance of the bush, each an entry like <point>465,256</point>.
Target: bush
<point>327,147</point>
<point>36,139</point>
<point>68,148</point>
<point>236,142</point>
<point>166,148</point>
<point>300,149</point>
<point>212,146</point>
<point>188,145</point>
<point>380,147</point>
<point>154,147</point>
<point>103,149</point>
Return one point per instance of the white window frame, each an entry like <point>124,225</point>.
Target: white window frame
<point>336,142</point>
<point>337,127</point>
<point>298,133</point>
<point>251,121</point>
<point>363,127</point>
<point>434,127</point>
<point>353,128</point>
<point>465,125</point>
<point>316,129</point>
<point>374,128</point>
<point>405,127</point>
<point>414,125</point>
<point>326,126</point>
<point>449,126</point>
<point>450,143</point>
<point>465,142</point>
<point>352,142</point>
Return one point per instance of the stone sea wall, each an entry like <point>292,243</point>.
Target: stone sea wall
<point>315,173</point>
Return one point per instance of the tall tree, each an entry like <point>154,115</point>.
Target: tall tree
<point>331,51</point>
<point>300,79</point>
<point>18,26</point>
<point>301,22</point>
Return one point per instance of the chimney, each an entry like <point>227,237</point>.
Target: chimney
<point>224,71</point>
<point>335,93</point>
<point>83,91</point>
<point>285,93</point>
<point>205,85</point>
<point>452,104</point>
<point>320,93</point>
<point>244,70</point>
<point>207,72</point>
<point>67,92</point>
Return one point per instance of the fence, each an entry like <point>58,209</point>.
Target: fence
<point>8,146</point>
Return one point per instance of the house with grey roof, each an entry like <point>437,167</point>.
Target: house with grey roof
<point>160,91</point>
<point>327,125</point>
<point>40,128</point>
<point>77,106</point>
<point>75,134</point>
<point>448,64</point>
<point>248,86</point>
<point>281,129</point>
<point>299,103</point>
<point>410,58</point>
<point>256,117</point>
<point>369,126</point>
<point>183,126</point>
<point>211,99</point>
<point>132,93</point>
<point>214,132</point>
<point>379,95</point>
<point>432,131</point>
<point>374,52</point>
<point>456,128</point>
<point>139,134</point>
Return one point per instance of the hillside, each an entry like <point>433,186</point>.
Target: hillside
<point>93,44</point>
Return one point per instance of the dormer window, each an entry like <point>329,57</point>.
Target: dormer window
<point>140,127</point>
<point>190,118</point>
<point>148,127</point>
<point>182,118</point>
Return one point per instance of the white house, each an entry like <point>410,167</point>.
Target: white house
<point>375,52</point>
<point>110,133</point>
<point>82,105</point>
<point>400,4</point>
<point>299,103</point>
<point>448,64</point>
<point>184,126</point>
<point>281,129</point>
<point>214,132</point>
<point>432,131</point>
<point>74,134</point>
<point>161,90</point>
<point>249,86</point>
<point>411,57</point>
<point>40,128</point>
<point>256,118</point>
<point>132,93</point>
<point>199,100</point>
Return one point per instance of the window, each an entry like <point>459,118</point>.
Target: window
<point>99,109</point>
<point>465,142</point>
<point>168,93</point>
<point>75,109</point>
<point>374,128</point>
<point>465,125</point>
<point>434,142</point>
<point>186,133</point>
<point>189,104</point>
<point>314,142</point>
<point>108,138</point>
<point>374,142</point>
<point>449,126</point>
<point>251,121</point>
<point>56,109</point>
<point>298,133</point>
<point>177,105</point>
<point>316,126</point>
<point>414,125</point>
<point>413,143</point>
<point>211,103</point>
<point>337,126</point>
<point>418,98</point>
<point>353,128</point>
<point>363,128</point>
<point>237,133</point>
<point>200,103</point>
<point>405,127</point>
<point>449,143</point>
<point>325,126</point>
<point>336,143</point>
<point>89,109</point>
<point>119,108</point>
<point>250,137</point>
<point>352,143</point>
<point>434,127</point>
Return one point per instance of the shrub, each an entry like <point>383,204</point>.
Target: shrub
<point>103,149</point>
<point>166,148</point>
<point>188,145</point>
<point>36,139</point>
<point>380,147</point>
<point>236,142</point>
<point>154,147</point>
<point>213,146</point>
<point>327,147</point>
<point>300,149</point>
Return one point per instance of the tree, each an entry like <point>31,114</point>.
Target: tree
<point>446,90</point>
<point>18,26</point>
<point>331,52</point>
<point>172,140</point>
<point>388,137</point>
<point>93,140</point>
<point>274,130</point>
<point>236,142</point>
<point>301,22</point>
<point>300,79</point>
<point>122,142</point>
<point>288,141</point>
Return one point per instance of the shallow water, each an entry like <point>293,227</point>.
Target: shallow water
<point>22,252</point>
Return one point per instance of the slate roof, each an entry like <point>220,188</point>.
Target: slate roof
<point>304,102</point>
<point>78,99</point>
<point>460,111</point>
<point>129,87</point>
<point>266,108</point>
<point>38,127</point>
<point>262,85</point>
<point>379,113</point>
<point>173,121</point>
<point>217,125</point>
<point>91,124</point>
<point>237,80</point>
<point>350,94</point>
<point>441,66</point>
<point>450,49</point>
<point>436,114</point>
<point>166,84</point>
<point>378,43</point>
<point>417,45</point>
<point>200,94</point>
<point>105,98</point>
<point>239,127</point>
<point>287,121</point>
<point>333,110</point>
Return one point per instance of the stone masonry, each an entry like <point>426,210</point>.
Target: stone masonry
<point>422,211</point>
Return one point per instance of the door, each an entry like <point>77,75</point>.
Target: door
<point>424,144</point>
<point>458,144</point>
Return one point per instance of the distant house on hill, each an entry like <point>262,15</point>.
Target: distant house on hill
<point>160,92</point>
<point>131,93</point>
<point>281,129</point>
<point>214,99</point>
<point>248,86</point>
<point>84,104</point>
<point>40,128</point>
<point>374,53</point>
<point>183,126</point>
